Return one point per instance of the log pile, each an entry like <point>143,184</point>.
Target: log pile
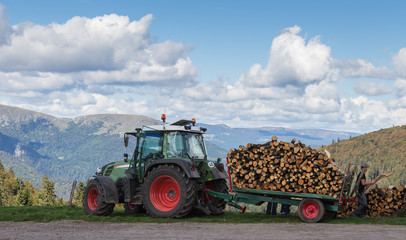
<point>381,202</point>
<point>284,166</point>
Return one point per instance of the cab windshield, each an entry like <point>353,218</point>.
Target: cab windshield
<point>185,145</point>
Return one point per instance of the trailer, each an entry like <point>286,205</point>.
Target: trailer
<point>311,207</point>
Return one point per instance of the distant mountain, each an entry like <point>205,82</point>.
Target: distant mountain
<point>34,144</point>
<point>228,138</point>
<point>383,150</point>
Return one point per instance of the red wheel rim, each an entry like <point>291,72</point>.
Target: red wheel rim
<point>131,206</point>
<point>92,199</point>
<point>310,209</point>
<point>164,193</point>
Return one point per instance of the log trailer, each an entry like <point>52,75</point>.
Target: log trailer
<point>311,207</point>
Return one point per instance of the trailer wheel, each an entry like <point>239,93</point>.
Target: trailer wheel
<point>93,200</point>
<point>168,193</point>
<point>311,210</point>
<point>132,208</point>
<point>217,204</point>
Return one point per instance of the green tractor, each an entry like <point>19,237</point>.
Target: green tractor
<point>168,175</point>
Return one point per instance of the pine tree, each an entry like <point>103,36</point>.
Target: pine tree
<point>46,195</point>
<point>78,197</point>
<point>23,197</point>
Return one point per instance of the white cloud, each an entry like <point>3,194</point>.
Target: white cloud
<point>371,89</point>
<point>35,81</point>
<point>362,68</point>
<point>81,44</point>
<point>399,61</point>
<point>292,61</point>
<point>321,98</point>
<point>101,50</point>
<point>400,86</point>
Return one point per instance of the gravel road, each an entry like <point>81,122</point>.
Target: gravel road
<point>88,230</point>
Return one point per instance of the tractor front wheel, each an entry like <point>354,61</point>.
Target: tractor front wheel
<point>93,200</point>
<point>167,192</point>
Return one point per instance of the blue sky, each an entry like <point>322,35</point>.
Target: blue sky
<point>302,64</point>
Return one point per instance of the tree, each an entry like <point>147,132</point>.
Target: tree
<point>23,197</point>
<point>60,202</point>
<point>9,187</point>
<point>46,195</point>
<point>78,197</point>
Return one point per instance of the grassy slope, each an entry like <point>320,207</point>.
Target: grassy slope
<point>46,214</point>
<point>383,150</point>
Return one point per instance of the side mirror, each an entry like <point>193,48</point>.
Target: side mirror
<point>125,157</point>
<point>219,160</point>
<point>126,140</point>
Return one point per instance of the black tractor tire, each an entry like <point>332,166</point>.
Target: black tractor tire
<point>93,200</point>
<point>132,208</point>
<point>311,210</point>
<point>217,204</point>
<point>167,192</point>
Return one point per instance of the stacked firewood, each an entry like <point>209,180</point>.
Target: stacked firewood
<point>284,166</point>
<point>381,202</point>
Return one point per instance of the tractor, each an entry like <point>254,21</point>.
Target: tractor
<point>168,175</point>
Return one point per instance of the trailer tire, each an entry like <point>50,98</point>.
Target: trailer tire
<point>167,192</point>
<point>132,208</point>
<point>93,200</point>
<point>311,210</point>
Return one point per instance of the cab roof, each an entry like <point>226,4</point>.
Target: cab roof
<point>181,125</point>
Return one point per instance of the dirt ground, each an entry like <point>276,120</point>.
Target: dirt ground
<point>88,230</point>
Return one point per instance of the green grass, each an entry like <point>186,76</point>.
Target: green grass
<point>47,214</point>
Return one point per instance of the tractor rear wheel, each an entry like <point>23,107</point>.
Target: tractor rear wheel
<point>132,208</point>
<point>311,210</point>
<point>216,205</point>
<point>93,200</point>
<point>167,192</point>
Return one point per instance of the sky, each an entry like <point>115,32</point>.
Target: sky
<point>337,65</point>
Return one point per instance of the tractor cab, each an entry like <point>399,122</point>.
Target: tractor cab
<point>180,140</point>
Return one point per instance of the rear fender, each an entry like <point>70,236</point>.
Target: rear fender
<point>184,165</point>
<point>218,174</point>
<point>109,189</point>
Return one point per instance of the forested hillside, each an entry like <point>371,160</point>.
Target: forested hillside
<point>383,150</point>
